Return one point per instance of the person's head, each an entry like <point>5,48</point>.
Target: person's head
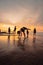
<point>34,28</point>
<point>9,28</point>
<point>15,26</point>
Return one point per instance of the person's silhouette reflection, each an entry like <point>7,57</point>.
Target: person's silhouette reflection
<point>8,39</point>
<point>14,40</point>
<point>34,38</point>
<point>19,41</point>
<point>34,41</point>
<point>24,40</point>
<point>21,44</point>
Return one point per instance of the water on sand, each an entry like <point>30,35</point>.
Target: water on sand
<point>21,49</point>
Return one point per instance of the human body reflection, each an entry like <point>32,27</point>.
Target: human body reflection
<point>8,40</point>
<point>34,38</point>
<point>34,41</point>
<point>21,44</point>
<point>14,40</point>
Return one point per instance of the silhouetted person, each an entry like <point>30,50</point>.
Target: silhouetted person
<point>24,33</point>
<point>34,35</point>
<point>27,33</point>
<point>15,29</point>
<point>34,31</point>
<point>9,30</point>
<point>18,32</point>
<point>23,30</point>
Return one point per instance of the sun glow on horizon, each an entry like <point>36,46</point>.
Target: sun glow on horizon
<point>20,19</point>
<point>4,27</point>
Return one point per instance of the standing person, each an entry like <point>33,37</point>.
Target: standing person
<point>34,31</point>
<point>27,33</point>
<point>9,30</point>
<point>15,29</point>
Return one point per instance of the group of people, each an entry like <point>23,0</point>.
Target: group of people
<point>22,31</point>
<point>9,30</point>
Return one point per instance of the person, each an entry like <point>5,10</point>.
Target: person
<point>9,30</point>
<point>15,29</point>
<point>27,33</point>
<point>18,32</point>
<point>23,30</point>
<point>34,31</point>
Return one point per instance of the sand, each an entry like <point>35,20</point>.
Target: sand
<point>16,50</point>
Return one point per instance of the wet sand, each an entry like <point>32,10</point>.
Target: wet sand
<point>21,51</point>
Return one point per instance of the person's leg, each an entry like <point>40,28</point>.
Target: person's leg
<point>24,34</point>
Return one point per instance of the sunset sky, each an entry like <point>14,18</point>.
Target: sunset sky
<point>27,13</point>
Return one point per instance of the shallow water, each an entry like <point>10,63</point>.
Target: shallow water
<point>17,44</point>
<point>17,50</point>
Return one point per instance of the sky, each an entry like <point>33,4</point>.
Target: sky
<point>22,12</point>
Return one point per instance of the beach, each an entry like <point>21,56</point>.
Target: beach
<point>21,32</point>
<point>16,50</point>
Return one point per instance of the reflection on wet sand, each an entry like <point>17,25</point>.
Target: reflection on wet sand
<point>34,38</point>
<point>21,44</point>
<point>8,39</point>
<point>14,40</point>
<point>34,42</point>
<point>20,49</point>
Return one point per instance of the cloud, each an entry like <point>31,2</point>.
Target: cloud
<point>22,11</point>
